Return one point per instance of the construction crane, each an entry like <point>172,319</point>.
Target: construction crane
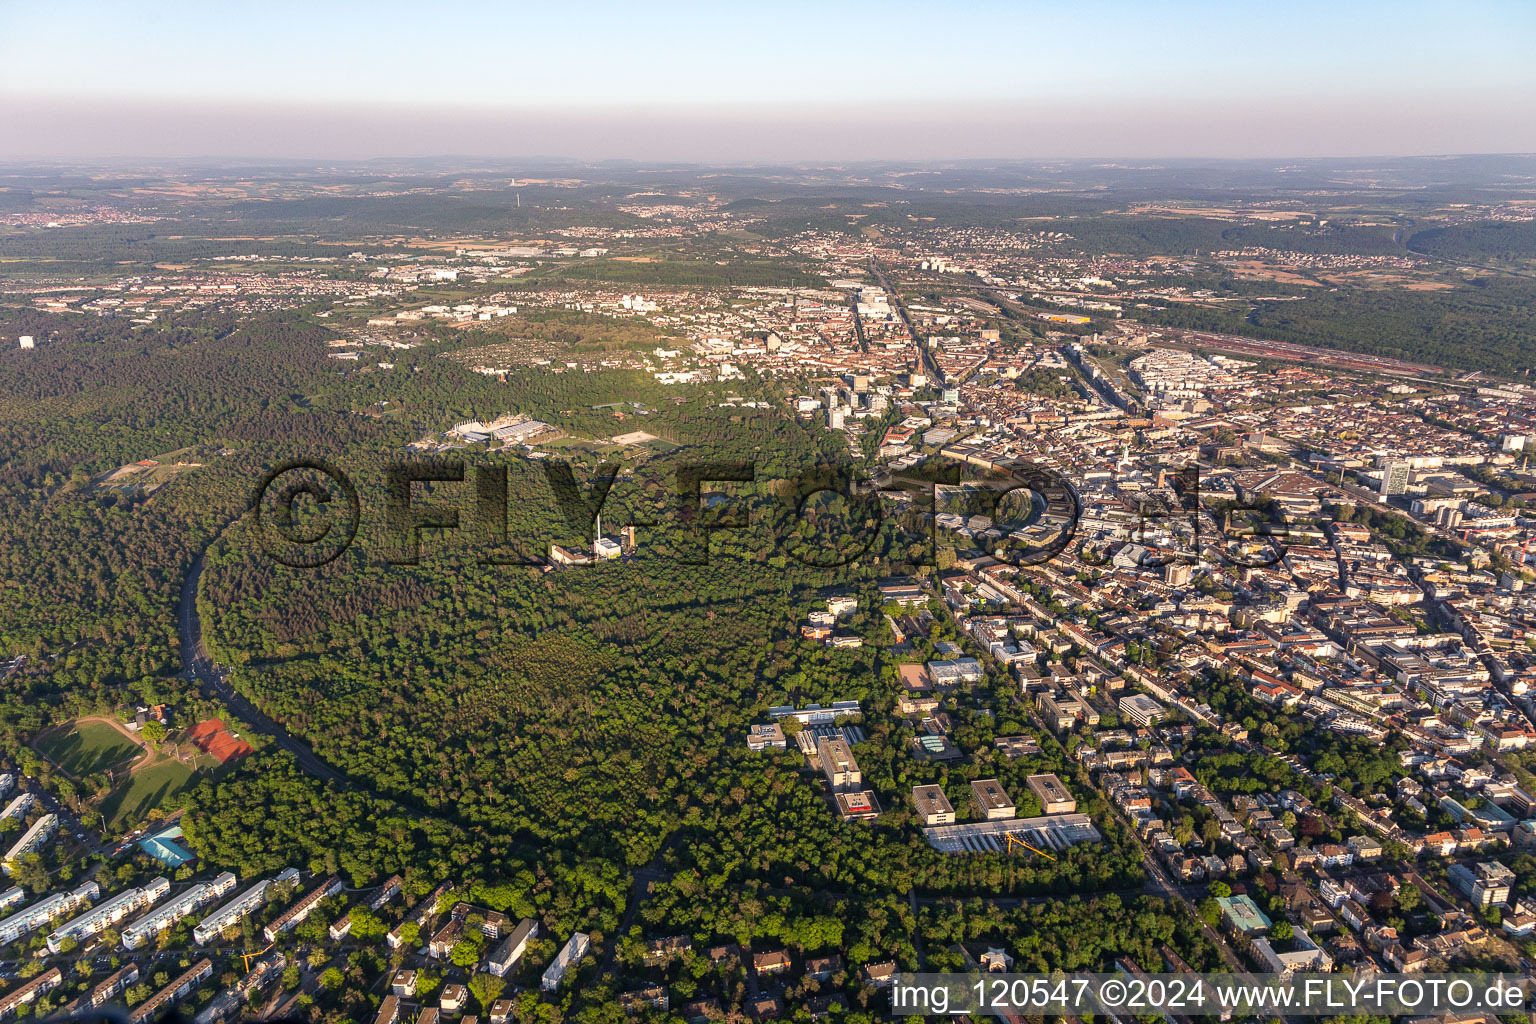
<point>1012,839</point>
<point>246,958</point>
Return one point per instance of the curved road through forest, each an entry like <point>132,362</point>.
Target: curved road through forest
<point>198,665</point>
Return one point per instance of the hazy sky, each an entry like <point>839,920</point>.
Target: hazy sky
<point>789,80</point>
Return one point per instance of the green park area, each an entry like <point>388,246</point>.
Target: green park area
<point>82,748</point>
<point>88,746</point>
<point>145,791</point>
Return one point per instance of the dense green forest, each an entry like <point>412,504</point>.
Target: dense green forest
<point>1484,325</point>
<point>1496,241</point>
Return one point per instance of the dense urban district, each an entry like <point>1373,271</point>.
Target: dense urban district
<point>699,654</point>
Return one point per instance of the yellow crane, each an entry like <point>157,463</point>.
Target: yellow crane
<point>246,958</point>
<point>1012,839</point>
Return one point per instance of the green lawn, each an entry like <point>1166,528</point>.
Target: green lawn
<point>88,747</point>
<point>144,792</point>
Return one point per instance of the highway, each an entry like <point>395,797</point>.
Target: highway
<point>198,665</point>
<point>1397,237</point>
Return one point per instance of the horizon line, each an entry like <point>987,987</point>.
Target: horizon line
<point>1122,162</point>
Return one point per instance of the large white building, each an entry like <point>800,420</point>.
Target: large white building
<point>31,841</point>
<point>109,913</point>
<point>1141,709</point>
<point>19,806</point>
<point>45,910</point>
<point>189,902</point>
<point>1305,955</point>
<point>512,948</point>
<point>246,903</point>
<point>570,954</point>
<point>1050,832</point>
<point>955,671</point>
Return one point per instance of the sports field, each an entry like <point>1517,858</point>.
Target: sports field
<point>145,791</point>
<point>87,747</point>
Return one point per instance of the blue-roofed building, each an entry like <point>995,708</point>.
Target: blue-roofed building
<point>166,846</point>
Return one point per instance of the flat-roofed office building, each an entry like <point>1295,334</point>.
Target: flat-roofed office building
<point>1055,798</point>
<point>837,762</point>
<point>933,807</point>
<point>992,800</point>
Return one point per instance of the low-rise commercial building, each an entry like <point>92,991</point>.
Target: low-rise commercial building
<point>1054,796</point>
<point>1141,709</point>
<point>992,801</point>
<point>1051,833</point>
<point>766,734</point>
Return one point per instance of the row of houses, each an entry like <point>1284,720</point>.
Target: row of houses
<point>296,914</point>
<point>28,993</point>
<point>172,993</point>
<point>105,991</point>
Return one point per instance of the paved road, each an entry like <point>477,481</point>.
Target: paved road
<point>925,360</point>
<point>645,879</point>
<point>917,932</point>
<point>1397,237</point>
<point>198,665</point>
<point>858,324</point>
<point>1158,879</point>
<point>67,820</point>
